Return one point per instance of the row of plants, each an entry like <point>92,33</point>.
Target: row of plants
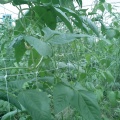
<point>59,63</point>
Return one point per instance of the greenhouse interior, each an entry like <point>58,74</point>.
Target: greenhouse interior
<point>59,60</point>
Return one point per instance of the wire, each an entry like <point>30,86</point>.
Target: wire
<point>107,2</point>
<point>114,2</point>
<point>32,73</point>
<point>8,10</point>
<point>83,6</point>
<point>6,83</point>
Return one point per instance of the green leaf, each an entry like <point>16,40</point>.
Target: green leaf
<point>118,94</point>
<point>82,26</point>
<point>12,99</point>
<point>92,26</point>
<point>105,62</point>
<point>41,47</point>
<point>77,21</point>
<point>110,33</point>
<point>108,7</point>
<point>72,13</point>
<point>34,58</point>
<point>68,4</point>
<point>66,38</point>
<point>17,84</point>
<point>36,103</point>
<point>47,79</point>
<point>39,16</point>
<point>99,94</point>
<point>64,18</point>
<point>62,96</point>
<point>22,23</point>
<point>19,46</point>
<point>45,15</point>
<point>5,1</point>
<point>55,2</point>
<point>48,33</point>
<point>61,65</point>
<point>90,86</point>
<point>85,102</point>
<point>62,39</point>
<point>99,7</point>
<point>79,2</point>
<point>50,19</point>
<point>103,27</point>
<point>47,2</point>
<point>19,2</point>
<point>108,76</point>
<point>9,115</point>
<point>102,1</point>
<point>111,95</point>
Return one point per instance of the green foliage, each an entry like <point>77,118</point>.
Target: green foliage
<point>10,115</point>
<point>18,43</point>
<point>5,1</point>
<point>59,63</point>
<point>62,95</point>
<point>38,107</point>
<point>41,47</point>
<point>55,37</point>
<point>92,26</point>
<point>64,18</point>
<point>12,98</point>
<point>85,102</point>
